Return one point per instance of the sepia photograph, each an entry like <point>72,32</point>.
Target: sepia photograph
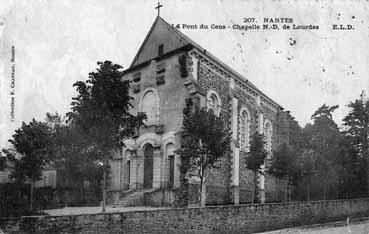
<point>184,116</point>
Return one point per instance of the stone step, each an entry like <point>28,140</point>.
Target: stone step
<point>133,198</point>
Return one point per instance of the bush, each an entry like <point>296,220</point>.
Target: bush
<point>14,200</point>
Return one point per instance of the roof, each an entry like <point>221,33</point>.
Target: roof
<point>162,30</point>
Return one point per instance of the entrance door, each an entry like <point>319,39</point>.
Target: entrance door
<point>171,171</point>
<point>128,175</point>
<point>148,166</point>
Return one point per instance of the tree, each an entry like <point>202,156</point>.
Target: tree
<point>102,111</point>
<point>74,157</point>
<point>323,145</point>
<point>284,165</point>
<point>206,140</point>
<point>33,142</point>
<point>306,169</point>
<point>351,170</point>
<point>357,129</point>
<point>256,158</point>
<point>2,161</point>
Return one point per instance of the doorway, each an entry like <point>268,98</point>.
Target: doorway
<point>148,166</point>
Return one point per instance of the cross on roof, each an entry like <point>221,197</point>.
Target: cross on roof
<point>158,7</point>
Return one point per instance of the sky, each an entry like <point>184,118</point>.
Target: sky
<point>59,42</point>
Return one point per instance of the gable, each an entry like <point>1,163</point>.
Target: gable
<point>161,33</point>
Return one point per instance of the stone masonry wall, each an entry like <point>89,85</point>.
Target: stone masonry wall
<point>216,179</point>
<point>221,219</point>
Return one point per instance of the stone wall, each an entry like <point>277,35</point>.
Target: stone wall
<point>216,219</point>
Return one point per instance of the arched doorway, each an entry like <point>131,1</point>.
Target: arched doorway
<point>148,166</point>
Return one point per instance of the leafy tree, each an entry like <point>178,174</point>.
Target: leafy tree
<point>284,165</point>
<point>306,169</point>
<point>323,145</point>
<point>357,129</point>
<point>102,111</point>
<point>2,162</point>
<point>75,159</point>
<point>256,158</point>
<point>296,141</point>
<point>33,142</point>
<point>206,139</point>
<point>351,169</point>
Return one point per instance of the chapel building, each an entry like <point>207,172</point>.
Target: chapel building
<point>168,69</point>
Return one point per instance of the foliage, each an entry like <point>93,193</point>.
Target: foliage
<point>14,198</point>
<point>33,141</point>
<point>75,160</point>
<point>356,125</point>
<point>2,162</point>
<point>206,140</point>
<point>296,141</point>
<point>256,158</point>
<point>257,154</point>
<point>101,111</point>
<point>284,164</point>
<point>102,107</point>
<point>351,169</point>
<point>318,163</point>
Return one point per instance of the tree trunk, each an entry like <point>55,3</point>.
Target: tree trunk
<point>285,194</point>
<point>337,191</point>
<point>365,150</point>
<point>254,192</point>
<point>288,189</point>
<point>367,171</point>
<point>253,195</point>
<point>202,192</point>
<point>104,184</point>
<point>31,195</point>
<point>82,190</point>
<point>276,191</point>
<point>308,190</point>
<point>202,188</point>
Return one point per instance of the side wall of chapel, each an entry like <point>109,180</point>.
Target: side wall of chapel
<point>209,78</point>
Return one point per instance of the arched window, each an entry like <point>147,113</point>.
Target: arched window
<point>150,106</point>
<point>268,131</point>
<point>244,129</point>
<point>213,102</point>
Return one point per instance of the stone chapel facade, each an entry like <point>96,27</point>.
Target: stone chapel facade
<point>170,68</point>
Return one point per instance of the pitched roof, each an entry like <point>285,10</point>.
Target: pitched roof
<point>161,32</point>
